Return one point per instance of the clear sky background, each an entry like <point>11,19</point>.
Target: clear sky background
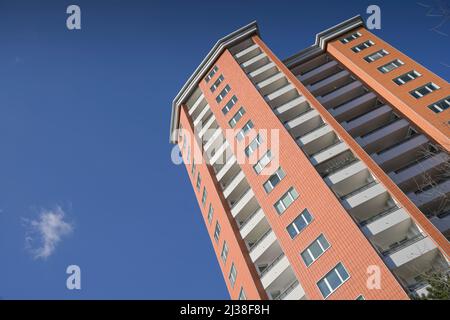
<point>84,127</point>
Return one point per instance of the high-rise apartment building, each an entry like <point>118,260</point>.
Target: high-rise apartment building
<point>321,176</point>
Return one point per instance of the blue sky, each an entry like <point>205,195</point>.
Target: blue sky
<point>84,124</point>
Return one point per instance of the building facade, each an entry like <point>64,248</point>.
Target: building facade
<point>321,176</point>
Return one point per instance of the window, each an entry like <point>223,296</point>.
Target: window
<point>424,90</point>
<point>253,146</point>
<point>363,46</point>
<point>210,213</point>
<point>242,295</point>
<point>315,250</point>
<point>333,280</point>
<point>217,83</point>
<point>193,167</point>
<point>211,73</point>
<point>223,93</point>
<point>351,37</point>
<point>224,253</point>
<point>391,66</point>
<point>233,275</point>
<point>413,74</point>
<point>300,223</point>
<point>217,231</point>
<point>230,104</point>
<point>199,181</point>
<point>263,162</point>
<point>237,116</point>
<point>205,194</point>
<point>286,200</point>
<point>441,105</point>
<point>241,134</point>
<point>360,297</point>
<point>274,179</point>
<point>376,55</point>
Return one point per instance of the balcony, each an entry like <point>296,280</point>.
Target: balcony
<point>311,65</point>
<point>388,227</point>
<point>272,84</point>
<point>198,105</point>
<point>255,62</point>
<point>282,96</point>
<point>384,136</point>
<point>293,292</point>
<point>213,140</point>
<point>431,197</point>
<point>368,122</point>
<point>360,103</point>
<point>317,139</point>
<point>292,109</point>
<point>279,278</point>
<point>265,248</point>
<point>244,206</point>
<point>400,154</point>
<point>210,124</point>
<point>263,72</point>
<point>342,95</point>
<point>349,178</point>
<point>253,224</point>
<point>414,173</point>
<point>411,257</point>
<point>228,170</point>
<point>219,155</point>
<point>366,201</point>
<point>203,115</point>
<point>319,73</point>
<point>330,83</point>
<point>305,122</point>
<point>328,153</point>
<point>247,53</point>
<point>442,223</point>
<point>236,186</point>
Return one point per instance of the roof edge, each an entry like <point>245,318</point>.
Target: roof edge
<point>200,72</point>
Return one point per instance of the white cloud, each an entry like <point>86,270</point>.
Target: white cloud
<point>44,234</point>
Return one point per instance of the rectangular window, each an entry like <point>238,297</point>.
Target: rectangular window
<point>242,295</point>
<point>193,168</point>
<point>391,66</point>
<point>351,37</point>
<point>205,194</point>
<point>233,275</point>
<point>211,73</point>
<point>315,250</point>
<point>217,231</point>
<point>210,213</point>
<point>223,93</point>
<point>247,127</point>
<point>424,90</point>
<point>253,146</point>
<point>441,105</point>
<point>224,253</point>
<point>237,116</point>
<point>333,280</point>
<point>263,162</point>
<point>300,223</point>
<point>413,74</point>
<point>274,179</point>
<point>216,83</point>
<point>286,200</point>
<point>376,55</point>
<point>230,104</point>
<point>363,46</point>
<point>199,181</point>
